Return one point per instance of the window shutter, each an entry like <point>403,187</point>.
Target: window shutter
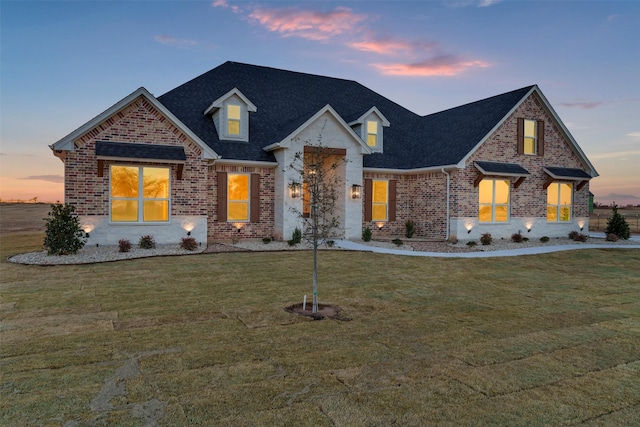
<point>222,196</point>
<point>392,200</point>
<point>520,135</point>
<point>368,200</point>
<point>540,137</point>
<point>255,197</point>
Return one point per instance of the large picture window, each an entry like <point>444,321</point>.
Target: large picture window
<point>493,200</point>
<point>139,194</point>
<point>238,197</point>
<point>559,201</point>
<point>380,201</point>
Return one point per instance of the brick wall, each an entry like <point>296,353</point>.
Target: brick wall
<point>529,199</point>
<point>420,198</point>
<point>137,123</point>
<point>223,230</point>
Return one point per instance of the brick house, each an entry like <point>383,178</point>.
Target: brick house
<point>209,159</point>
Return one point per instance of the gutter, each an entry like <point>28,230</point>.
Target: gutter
<point>448,203</point>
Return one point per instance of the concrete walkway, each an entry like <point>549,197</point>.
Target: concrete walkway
<point>354,246</point>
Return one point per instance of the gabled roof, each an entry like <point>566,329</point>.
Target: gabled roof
<point>285,100</point>
<point>218,102</point>
<point>67,144</point>
<point>360,117</point>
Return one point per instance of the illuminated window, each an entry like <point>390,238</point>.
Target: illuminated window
<point>530,133</point>
<point>493,201</point>
<point>372,133</point>
<point>559,198</point>
<point>238,197</point>
<point>380,200</point>
<point>233,119</point>
<point>139,194</point>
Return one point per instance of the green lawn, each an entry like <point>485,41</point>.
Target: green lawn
<point>205,340</point>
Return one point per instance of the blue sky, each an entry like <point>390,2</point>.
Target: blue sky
<point>64,62</point>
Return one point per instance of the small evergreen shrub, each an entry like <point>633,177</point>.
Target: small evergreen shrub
<point>330,243</point>
<point>147,242</point>
<point>486,239</point>
<point>188,243</point>
<point>471,243</point>
<point>63,235</point>
<point>409,228</point>
<point>544,239</point>
<point>573,235</point>
<point>612,237</point>
<point>618,225</point>
<point>397,242</point>
<point>266,240</point>
<point>526,239</point>
<point>297,236</point>
<point>124,245</point>
<point>517,238</point>
<point>366,234</point>
<point>291,242</point>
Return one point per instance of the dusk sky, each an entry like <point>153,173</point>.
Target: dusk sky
<point>64,62</point>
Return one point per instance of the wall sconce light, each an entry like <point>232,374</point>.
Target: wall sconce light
<point>356,192</point>
<point>295,189</point>
<point>379,225</point>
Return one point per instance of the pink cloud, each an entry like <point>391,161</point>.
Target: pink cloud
<point>225,4</point>
<point>308,24</point>
<point>392,46</point>
<point>444,65</point>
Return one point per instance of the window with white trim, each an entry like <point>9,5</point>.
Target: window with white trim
<point>372,133</point>
<point>380,200</point>
<point>139,194</point>
<point>238,197</point>
<point>530,137</point>
<point>559,202</point>
<point>493,200</point>
<point>234,120</point>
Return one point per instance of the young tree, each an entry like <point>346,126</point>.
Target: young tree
<point>318,168</point>
<point>617,224</point>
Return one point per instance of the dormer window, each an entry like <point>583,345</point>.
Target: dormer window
<point>372,133</point>
<point>369,126</point>
<point>230,114</point>
<point>233,119</point>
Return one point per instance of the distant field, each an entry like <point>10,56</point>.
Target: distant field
<point>598,219</point>
<point>23,216</point>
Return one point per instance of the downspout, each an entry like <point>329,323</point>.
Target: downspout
<point>448,203</point>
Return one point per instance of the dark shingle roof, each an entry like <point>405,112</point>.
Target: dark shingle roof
<point>285,99</point>
<point>494,168</point>
<point>139,151</point>
<point>568,173</point>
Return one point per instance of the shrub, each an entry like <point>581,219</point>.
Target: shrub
<point>297,236</point>
<point>526,239</point>
<point>612,237</point>
<point>544,239</point>
<point>573,235</point>
<point>409,228</point>
<point>618,225</point>
<point>397,242</point>
<point>581,237</point>
<point>266,240</point>
<point>517,238</point>
<point>291,242</point>
<point>486,239</point>
<point>330,243</point>
<point>471,243</point>
<point>147,242</point>
<point>63,235</point>
<point>366,234</point>
<point>124,245</point>
<point>188,243</point>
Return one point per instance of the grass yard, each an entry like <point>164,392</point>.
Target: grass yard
<point>204,340</point>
